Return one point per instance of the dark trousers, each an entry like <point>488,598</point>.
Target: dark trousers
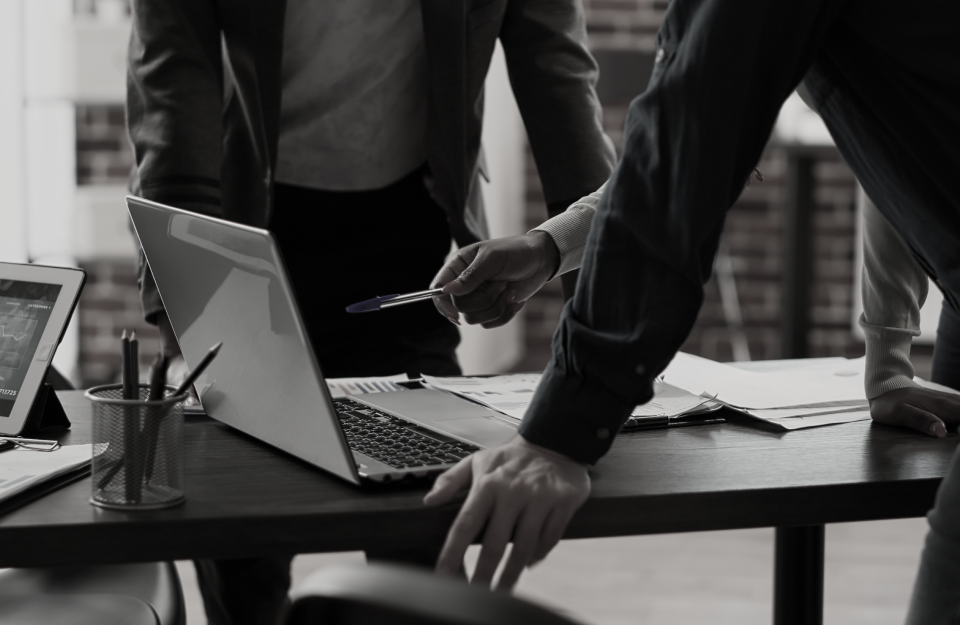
<point>946,349</point>
<point>936,591</point>
<point>340,248</point>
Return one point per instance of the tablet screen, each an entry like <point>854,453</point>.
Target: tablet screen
<point>25,308</point>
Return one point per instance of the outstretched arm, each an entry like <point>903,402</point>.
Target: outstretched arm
<point>691,140</point>
<point>491,280</point>
<point>894,289</point>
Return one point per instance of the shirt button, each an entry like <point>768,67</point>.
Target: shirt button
<point>603,434</point>
<point>640,370</point>
<point>660,55</point>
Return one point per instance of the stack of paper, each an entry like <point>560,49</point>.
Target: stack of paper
<point>795,395</point>
<point>341,387</point>
<point>21,469</point>
<point>508,394</point>
<point>511,395</point>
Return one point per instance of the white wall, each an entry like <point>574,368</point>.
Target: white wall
<point>13,215</point>
<point>496,350</point>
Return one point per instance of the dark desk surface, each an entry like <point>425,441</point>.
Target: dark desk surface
<point>245,499</point>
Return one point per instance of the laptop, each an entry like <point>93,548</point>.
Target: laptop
<point>222,281</point>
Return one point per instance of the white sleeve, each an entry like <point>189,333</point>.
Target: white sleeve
<point>570,228</point>
<point>894,289</point>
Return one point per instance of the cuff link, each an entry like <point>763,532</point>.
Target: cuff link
<point>640,370</point>
<point>603,434</point>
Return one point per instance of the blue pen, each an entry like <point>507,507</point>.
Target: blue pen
<point>389,301</point>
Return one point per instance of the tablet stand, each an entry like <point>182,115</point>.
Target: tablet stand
<point>46,415</point>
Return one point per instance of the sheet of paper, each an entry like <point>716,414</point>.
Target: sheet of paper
<point>341,387</point>
<point>798,423</point>
<point>508,394</point>
<point>671,401</point>
<point>511,394</point>
<point>21,468</point>
<point>793,413</point>
<point>817,384</point>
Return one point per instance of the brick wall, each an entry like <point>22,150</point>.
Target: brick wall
<point>104,155</point>
<point>752,233</point>
<point>110,302</point>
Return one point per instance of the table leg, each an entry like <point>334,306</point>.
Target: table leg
<point>798,576</point>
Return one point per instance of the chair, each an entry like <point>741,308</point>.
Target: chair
<point>131,594</point>
<point>358,594</point>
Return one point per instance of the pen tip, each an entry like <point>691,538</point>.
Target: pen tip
<point>124,336</point>
<point>216,348</point>
<point>133,335</point>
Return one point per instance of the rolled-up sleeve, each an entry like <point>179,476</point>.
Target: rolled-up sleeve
<point>724,68</point>
<point>569,230</point>
<point>894,289</point>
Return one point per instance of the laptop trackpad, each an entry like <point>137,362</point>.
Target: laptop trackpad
<point>484,431</point>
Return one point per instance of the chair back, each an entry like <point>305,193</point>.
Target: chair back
<point>355,594</point>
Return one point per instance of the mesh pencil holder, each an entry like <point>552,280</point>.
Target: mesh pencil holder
<point>137,449</point>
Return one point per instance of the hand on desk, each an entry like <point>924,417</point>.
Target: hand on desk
<point>491,280</point>
<point>921,409</point>
<point>519,492</point>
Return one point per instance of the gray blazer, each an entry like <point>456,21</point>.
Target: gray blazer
<point>203,104</point>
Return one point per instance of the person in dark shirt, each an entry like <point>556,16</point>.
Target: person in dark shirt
<point>886,80</point>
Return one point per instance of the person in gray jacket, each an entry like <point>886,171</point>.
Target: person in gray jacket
<point>351,129</point>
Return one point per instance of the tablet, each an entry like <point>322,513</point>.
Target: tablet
<point>36,303</point>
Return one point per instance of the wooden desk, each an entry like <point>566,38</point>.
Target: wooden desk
<point>245,499</point>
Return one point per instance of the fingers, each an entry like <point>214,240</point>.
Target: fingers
<point>450,482</point>
<point>495,539</point>
<point>509,313</point>
<point>553,529</point>
<point>445,305</point>
<point>474,513</point>
<point>910,416</point>
<point>481,267</point>
<point>525,545</point>
<point>455,266</point>
<point>946,406</point>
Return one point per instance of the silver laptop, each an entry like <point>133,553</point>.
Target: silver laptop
<point>221,281</point>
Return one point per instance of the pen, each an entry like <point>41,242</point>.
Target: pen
<point>42,445</point>
<point>125,365</point>
<point>131,424</point>
<point>158,376</point>
<point>29,441</point>
<point>389,301</point>
<point>134,366</point>
<point>199,370</point>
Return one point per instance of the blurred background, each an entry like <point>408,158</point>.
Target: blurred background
<point>64,160</point>
<point>786,285</point>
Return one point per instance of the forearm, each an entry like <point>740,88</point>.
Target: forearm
<point>690,142</point>
<point>570,229</point>
<point>174,103</point>
<point>894,289</point>
<point>553,75</point>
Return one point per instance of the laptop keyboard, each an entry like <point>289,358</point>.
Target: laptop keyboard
<point>395,441</point>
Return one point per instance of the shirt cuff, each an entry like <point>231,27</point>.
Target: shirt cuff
<point>570,229</point>
<point>576,416</point>
<point>888,365</point>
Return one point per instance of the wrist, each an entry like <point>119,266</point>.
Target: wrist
<point>547,251</point>
<point>546,451</point>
